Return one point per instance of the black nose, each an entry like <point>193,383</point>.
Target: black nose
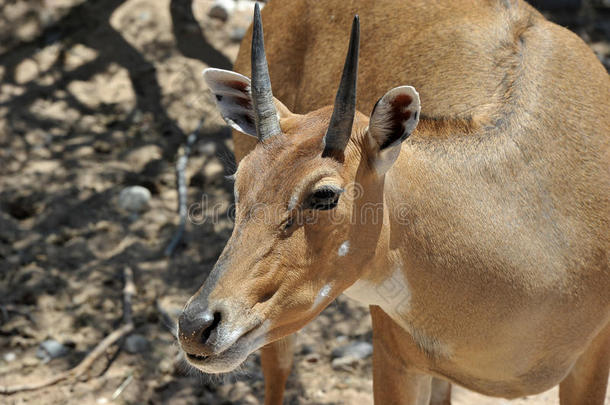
<point>196,331</point>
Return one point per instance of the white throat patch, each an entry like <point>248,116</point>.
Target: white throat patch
<point>392,294</point>
<point>394,297</point>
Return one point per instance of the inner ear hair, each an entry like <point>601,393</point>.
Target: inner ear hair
<point>394,116</point>
<point>232,95</point>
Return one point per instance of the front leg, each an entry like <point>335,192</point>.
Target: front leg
<point>441,392</point>
<point>587,381</point>
<point>394,383</point>
<point>276,359</point>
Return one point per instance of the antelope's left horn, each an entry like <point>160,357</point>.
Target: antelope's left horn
<point>265,114</point>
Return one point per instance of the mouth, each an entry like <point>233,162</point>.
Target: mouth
<point>233,354</point>
<point>195,358</point>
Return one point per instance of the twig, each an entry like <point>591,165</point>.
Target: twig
<point>181,182</point>
<point>88,361</point>
<point>122,387</point>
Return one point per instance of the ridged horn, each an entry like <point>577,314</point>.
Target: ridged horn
<point>265,114</point>
<point>340,127</point>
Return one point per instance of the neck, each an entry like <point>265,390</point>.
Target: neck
<point>383,281</point>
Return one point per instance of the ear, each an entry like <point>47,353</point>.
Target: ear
<point>232,93</point>
<point>233,99</point>
<point>393,119</point>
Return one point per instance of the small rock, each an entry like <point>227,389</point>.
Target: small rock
<point>237,34</point>
<point>135,344</point>
<point>357,350</point>
<point>306,349</point>
<point>344,363</point>
<point>207,148</point>
<point>312,358</point>
<point>51,349</point>
<point>134,199</point>
<point>10,356</point>
<point>341,339</point>
<point>222,9</point>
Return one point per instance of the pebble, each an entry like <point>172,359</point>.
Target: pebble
<point>237,34</point>
<point>312,358</point>
<point>10,356</point>
<point>134,199</point>
<point>306,349</point>
<point>341,339</point>
<point>207,148</point>
<point>344,363</point>
<point>222,9</point>
<point>356,350</point>
<point>135,344</point>
<point>51,349</point>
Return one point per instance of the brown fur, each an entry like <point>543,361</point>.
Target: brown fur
<point>504,242</point>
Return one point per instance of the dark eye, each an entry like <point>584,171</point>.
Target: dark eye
<point>324,198</point>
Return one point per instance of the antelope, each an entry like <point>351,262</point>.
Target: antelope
<point>485,263</point>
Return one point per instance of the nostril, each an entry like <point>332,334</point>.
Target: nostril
<point>208,331</point>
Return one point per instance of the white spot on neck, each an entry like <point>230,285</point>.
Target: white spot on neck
<point>322,295</point>
<point>343,249</point>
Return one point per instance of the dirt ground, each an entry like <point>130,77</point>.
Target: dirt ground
<point>97,96</point>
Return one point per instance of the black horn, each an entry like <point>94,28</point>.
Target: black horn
<point>265,114</point>
<point>340,127</point>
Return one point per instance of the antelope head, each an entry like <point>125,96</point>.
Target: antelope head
<point>299,238</point>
